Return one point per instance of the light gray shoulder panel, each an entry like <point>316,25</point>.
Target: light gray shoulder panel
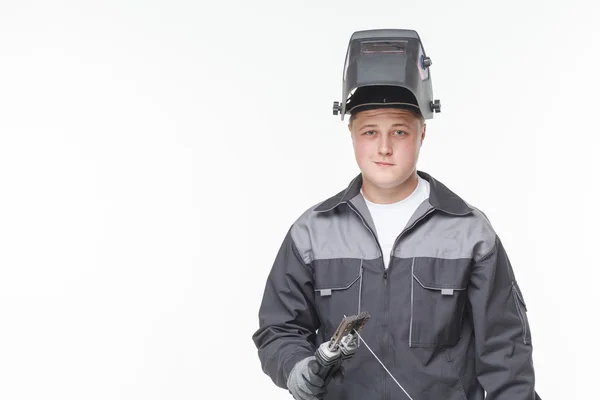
<point>449,237</point>
<point>338,233</point>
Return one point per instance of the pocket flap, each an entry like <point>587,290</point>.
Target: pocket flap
<point>336,274</point>
<point>445,275</point>
<point>517,290</point>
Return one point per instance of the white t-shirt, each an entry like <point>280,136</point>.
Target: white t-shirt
<point>391,219</point>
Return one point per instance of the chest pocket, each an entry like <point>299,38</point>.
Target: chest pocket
<point>438,298</point>
<point>337,290</point>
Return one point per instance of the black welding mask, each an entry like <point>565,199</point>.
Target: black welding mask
<point>386,68</point>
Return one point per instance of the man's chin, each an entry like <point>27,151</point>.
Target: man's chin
<point>386,182</point>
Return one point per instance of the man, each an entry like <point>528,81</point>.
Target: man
<point>447,317</point>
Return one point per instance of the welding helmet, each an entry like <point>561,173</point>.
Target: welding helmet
<point>386,68</point>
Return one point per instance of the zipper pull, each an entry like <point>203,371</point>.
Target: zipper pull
<point>385,274</point>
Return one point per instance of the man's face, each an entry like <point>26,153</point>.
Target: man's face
<point>386,145</point>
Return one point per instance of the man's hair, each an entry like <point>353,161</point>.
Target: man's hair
<point>415,113</point>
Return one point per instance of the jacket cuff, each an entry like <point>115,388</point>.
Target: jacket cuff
<point>292,361</point>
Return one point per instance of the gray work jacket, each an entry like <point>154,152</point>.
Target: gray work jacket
<point>448,318</point>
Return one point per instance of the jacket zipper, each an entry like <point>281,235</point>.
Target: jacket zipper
<point>385,273</point>
<point>385,270</point>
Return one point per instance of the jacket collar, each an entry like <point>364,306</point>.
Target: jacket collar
<point>440,197</point>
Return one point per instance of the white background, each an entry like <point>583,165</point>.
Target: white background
<point>153,155</point>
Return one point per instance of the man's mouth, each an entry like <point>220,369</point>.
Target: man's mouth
<point>384,164</point>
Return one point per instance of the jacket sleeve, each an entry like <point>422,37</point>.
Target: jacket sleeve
<point>502,337</point>
<point>287,316</point>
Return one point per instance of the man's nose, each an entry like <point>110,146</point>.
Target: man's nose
<point>384,146</point>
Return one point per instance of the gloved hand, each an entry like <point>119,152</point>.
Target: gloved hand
<point>303,384</point>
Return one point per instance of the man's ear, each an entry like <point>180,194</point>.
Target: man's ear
<point>423,132</point>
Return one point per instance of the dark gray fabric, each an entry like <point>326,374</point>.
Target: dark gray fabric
<point>288,318</point>
<point>448,318</point>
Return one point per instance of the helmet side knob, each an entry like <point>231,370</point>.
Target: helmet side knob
<point>336,108</point>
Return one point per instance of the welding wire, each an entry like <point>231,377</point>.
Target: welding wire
<point>377,358</point>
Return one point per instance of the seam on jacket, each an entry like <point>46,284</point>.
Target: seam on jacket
<point>496,246</point>
<point>412,283</point>
<point>299,256</point>
<point>490,252</point>
<point>360,286</point>
<point>359,296</point>
<point>446,352</point>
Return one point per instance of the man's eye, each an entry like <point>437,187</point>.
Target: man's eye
<point>369,133</point>
<point>400,133</point>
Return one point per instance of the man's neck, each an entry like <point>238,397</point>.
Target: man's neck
<point>390,195</point>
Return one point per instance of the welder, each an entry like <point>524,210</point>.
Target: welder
<point>447,317</point>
